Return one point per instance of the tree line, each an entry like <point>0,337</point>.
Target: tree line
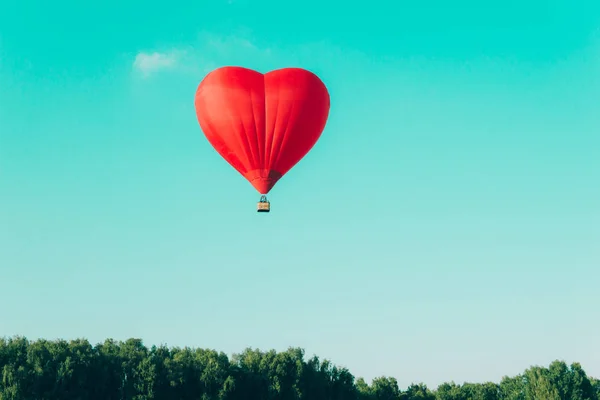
<point>114,370</point>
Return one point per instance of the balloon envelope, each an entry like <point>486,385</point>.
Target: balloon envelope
<point>262,124</point>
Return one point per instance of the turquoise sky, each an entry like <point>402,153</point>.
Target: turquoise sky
<point>445,227</point>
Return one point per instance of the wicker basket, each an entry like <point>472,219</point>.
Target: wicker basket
<point>263,206</point>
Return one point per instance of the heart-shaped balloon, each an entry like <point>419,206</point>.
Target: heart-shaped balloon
<point>262,124</point>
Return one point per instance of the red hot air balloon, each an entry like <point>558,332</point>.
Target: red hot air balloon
<point>262,124</point>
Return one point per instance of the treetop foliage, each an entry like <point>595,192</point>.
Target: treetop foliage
<point>114,370</point>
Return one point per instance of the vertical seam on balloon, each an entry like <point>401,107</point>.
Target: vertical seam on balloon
<point>272,142</point>
<point>246,146</point>
<point>265,162</point>
<point>261,113</point>
<point>243,140</point>
<point>285,135</point>
<point>250,147</point>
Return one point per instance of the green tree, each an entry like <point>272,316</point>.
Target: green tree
<point>449,391</point>
<point>363,390</point>
<point>418,392</point>
<point>581,386</point>
<point>76,370</point>
<point>384,388</point>
<point>512,388</point>
<point>538,385</point>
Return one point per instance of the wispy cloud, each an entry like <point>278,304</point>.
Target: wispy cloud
<point>211,50</point>
<point>149,63</point>
<point>206,53</point>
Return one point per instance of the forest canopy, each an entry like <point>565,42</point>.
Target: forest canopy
<point>114,370</point>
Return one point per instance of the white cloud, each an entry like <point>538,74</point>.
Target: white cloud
<point>148,63</point>
<point>211,50</point>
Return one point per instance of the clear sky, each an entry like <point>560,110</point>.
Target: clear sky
<point>445,227</point>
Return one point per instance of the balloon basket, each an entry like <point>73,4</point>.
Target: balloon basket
<point>263,205</point>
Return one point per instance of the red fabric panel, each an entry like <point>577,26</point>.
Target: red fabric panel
<point>262,124</point>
